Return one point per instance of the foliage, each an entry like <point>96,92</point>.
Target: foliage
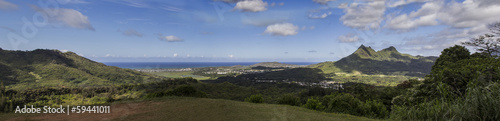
<point>255,99</point>
<point>289,99</point>
<point>487,44</point>
<point>53,68</point>
<point>480,104</point>
<point>313,104</point>
<point>387,61</point>
<point>188,91</point>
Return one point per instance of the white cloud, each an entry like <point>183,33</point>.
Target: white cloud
<point>72,1</point>
<point>175,54</point>
<point>229,1</point>
<point>343,5</point>
<point>282,29</point>
<point>263,20</point>
<point>280,4</point>
<point>170,38</point>
<point>349,38</point>
<point>324,15</point>
<point>4,5</point>
<point>470,13</point>
<point>324,2</point>
<point>251,5</point>
<point>132,32</point>
<point>397,3</point>
<point>67,17</point>
<point>364,16</point>
<point>425,16</point>
<point>231,56</point>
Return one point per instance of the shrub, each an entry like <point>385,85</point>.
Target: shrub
<point>187,91</point>
<point>314,104</point>
<point>289,99</point>
<point>255,99</point>
<point>342,103</point>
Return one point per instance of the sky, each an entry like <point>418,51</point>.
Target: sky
<point>240,30</point>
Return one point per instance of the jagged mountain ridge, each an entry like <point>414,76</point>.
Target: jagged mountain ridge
<point>386,61</point>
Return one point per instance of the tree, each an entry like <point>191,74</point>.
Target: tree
<point>487,44</point>
<point>255,99</point>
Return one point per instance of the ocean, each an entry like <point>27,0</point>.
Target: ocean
<point>156,65</point>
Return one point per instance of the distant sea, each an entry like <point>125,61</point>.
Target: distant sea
<point>155,65</point>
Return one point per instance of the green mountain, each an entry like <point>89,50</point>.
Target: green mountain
<point>54,68</point>
<point>386,61</point>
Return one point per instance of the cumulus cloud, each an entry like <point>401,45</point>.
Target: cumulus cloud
<point>175,54</point>
<point>425,16</point>
<point>469,13</point>
<point>4,5</point>
<point>364,16</point>
<point>251,5</point>
<point>67,17</point>
<point>229,1</point>
<point>343,5</point>
<point>132,32</point>
<point>263,20</point>
<point>170,38</point>
<point>324,15</point>
<point>324,2</point>
<point>394,3</point>
<point>349,38</point>
<point>282,29</point>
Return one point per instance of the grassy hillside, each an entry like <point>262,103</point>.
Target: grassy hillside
<point>386,61</point>
<point>195,109</point>
<point>53,68</point>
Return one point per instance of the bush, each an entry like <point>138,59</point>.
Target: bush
<point>255,99</point>
<point>343,103</point>
<point>314,104</point>
<point>479,104</point>
<point>187,91</point>
<point>289,99</point>
<point>375,109</point>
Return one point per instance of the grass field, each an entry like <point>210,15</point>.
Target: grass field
<point>194,109</point>
<point>180,74</point>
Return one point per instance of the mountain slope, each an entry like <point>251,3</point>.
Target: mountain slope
<point>55,68</point>
<point>386,61</point>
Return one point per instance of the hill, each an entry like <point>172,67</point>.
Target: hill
<point>274,65</point>
<point>387,61</point>
<point>194,109</point>
<point>54,68</point>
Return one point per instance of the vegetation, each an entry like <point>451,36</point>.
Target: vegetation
<point>255,99</point>
<point>52,68</point>
<point>196,109</point>
<point>458,86</point>
<point>386,61</point>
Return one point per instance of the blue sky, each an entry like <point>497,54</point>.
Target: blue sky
<point>240,30</point>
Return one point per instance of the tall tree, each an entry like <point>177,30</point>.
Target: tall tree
<point>488,43</point>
